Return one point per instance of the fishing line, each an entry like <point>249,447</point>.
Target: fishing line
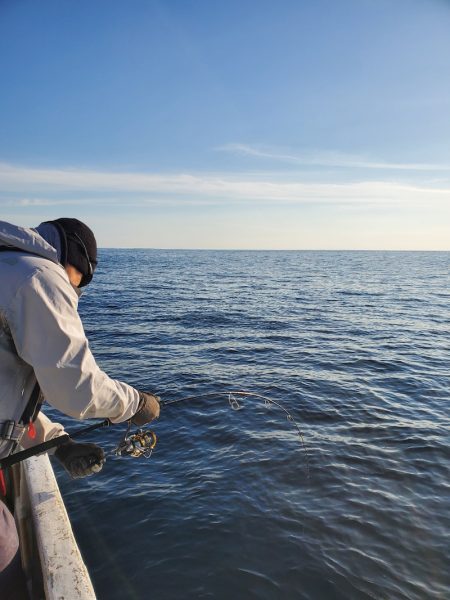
<point>233,400</point>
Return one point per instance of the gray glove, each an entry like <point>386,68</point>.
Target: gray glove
<point>148,409</point>
<point>80,460</point>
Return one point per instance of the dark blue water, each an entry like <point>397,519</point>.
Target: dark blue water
<point>356,345</point>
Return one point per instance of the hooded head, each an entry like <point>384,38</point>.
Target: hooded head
<point>78,247</point>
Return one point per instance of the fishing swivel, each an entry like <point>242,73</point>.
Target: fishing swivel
<point>234,402</point>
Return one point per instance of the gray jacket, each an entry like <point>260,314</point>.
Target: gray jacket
<point>42,337</point>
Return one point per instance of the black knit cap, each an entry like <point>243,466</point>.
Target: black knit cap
<point>78,247</point>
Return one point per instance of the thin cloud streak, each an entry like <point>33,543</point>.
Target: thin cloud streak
<point>36,202</point>
<point>56,185</point>
<point>119,201</point>
<point>328,159</point>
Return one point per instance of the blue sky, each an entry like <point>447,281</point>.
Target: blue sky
<point>239,124</point>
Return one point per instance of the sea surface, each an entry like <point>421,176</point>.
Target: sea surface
<point>356,345</point>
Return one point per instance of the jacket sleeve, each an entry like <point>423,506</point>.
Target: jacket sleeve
<point>45,430</point>
<point>49,336</point>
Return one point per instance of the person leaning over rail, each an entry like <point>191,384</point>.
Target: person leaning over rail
<point>44,353</point>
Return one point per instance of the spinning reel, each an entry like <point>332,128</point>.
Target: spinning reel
<point>140,443</point>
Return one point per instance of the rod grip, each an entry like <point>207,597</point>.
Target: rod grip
<point>33,451</point>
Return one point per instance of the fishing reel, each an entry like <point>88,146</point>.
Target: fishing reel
<point>140,443</point>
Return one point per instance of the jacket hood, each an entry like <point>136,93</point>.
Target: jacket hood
<point>42,240</point>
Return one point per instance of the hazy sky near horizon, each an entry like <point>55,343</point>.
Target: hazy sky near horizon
<point>241,124</point>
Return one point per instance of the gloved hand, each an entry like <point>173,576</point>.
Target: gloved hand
<point>80,460</point>
<point>148,409</point>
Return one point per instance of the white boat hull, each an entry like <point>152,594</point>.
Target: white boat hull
<point>45,529</point>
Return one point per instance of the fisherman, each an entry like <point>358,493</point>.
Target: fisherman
<point>44,354</point>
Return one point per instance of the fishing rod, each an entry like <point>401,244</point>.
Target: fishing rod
<point>142,442</point>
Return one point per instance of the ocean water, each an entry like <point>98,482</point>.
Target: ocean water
<point>356,345</point>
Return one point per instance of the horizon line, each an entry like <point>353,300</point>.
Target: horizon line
<point>269,249</point>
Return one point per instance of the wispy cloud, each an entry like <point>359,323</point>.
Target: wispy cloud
<point>327,159</point>
<point>34,202</point>
<point>32,187</point>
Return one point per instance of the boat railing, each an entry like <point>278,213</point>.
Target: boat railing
<point>51,559</point>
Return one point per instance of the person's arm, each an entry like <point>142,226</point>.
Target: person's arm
<point>45,430</point>
<point>49,336</point>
